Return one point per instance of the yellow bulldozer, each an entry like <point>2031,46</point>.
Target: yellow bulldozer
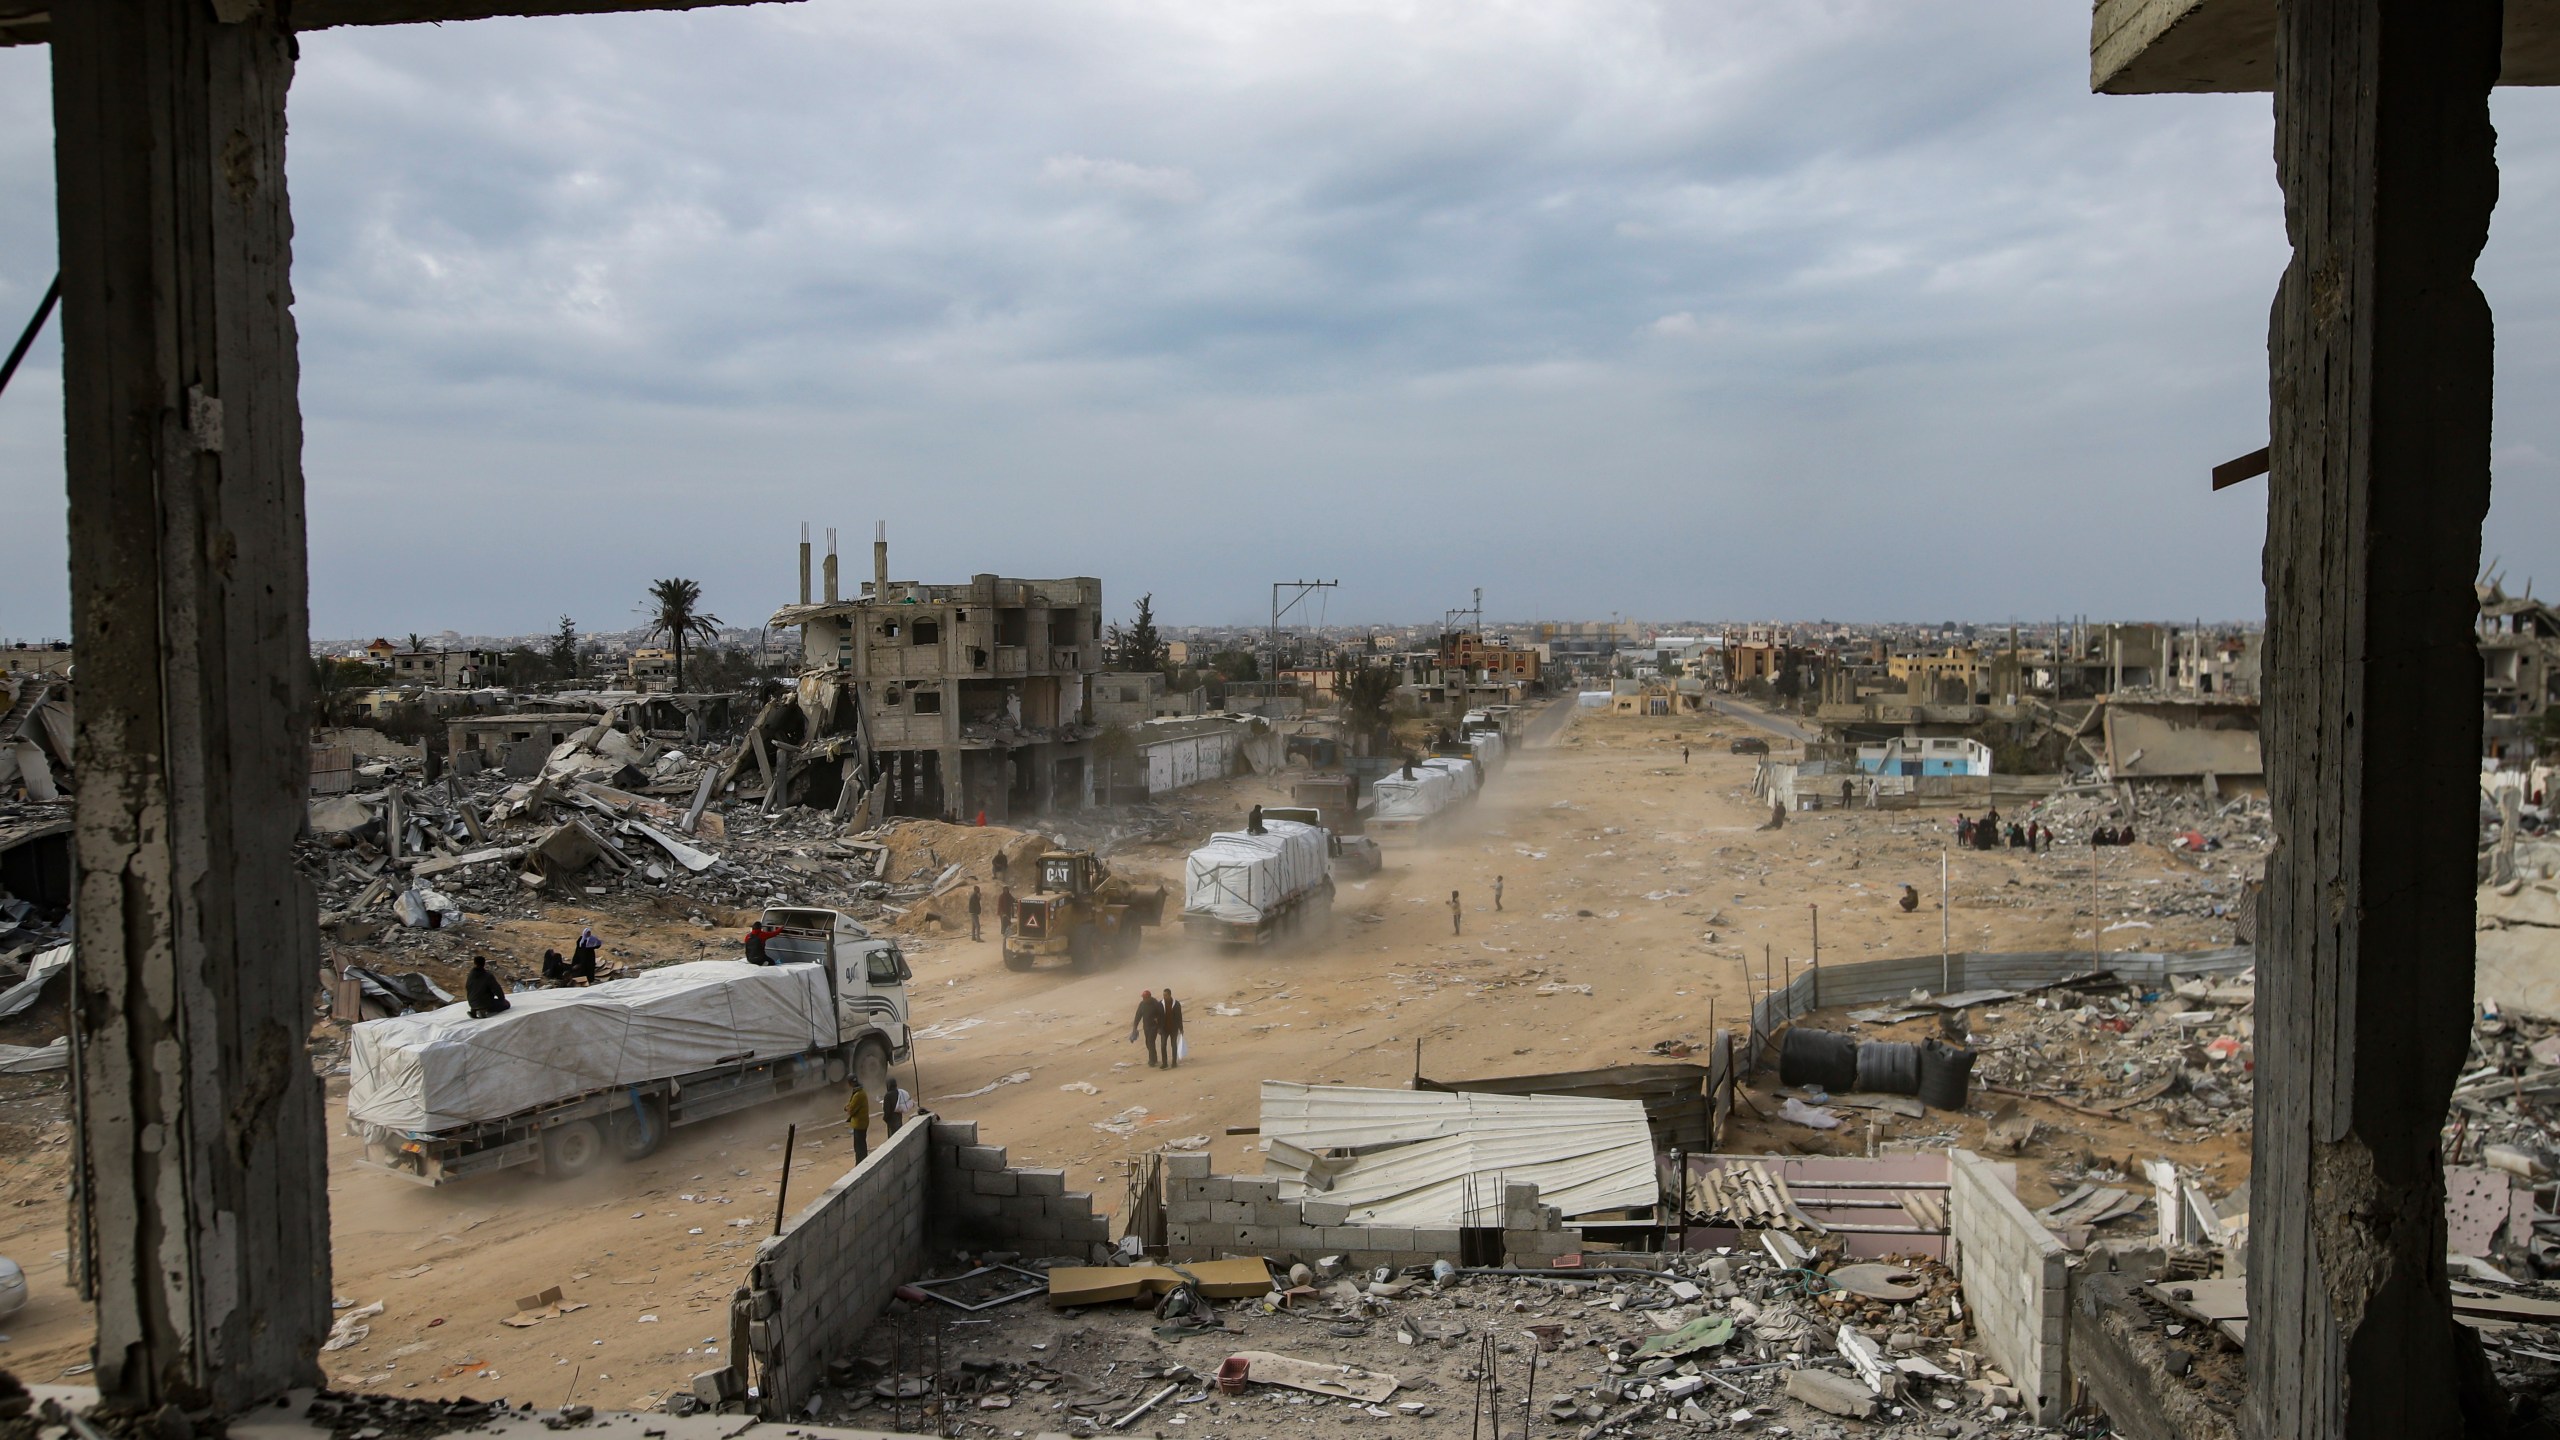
<point>1081,913</point>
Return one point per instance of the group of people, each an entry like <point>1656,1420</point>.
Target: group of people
<point>896,1108</point>
<point>2112,835</point>
<point>1160,1021</point>
<point>486,996</point>
<point>1987,833</point>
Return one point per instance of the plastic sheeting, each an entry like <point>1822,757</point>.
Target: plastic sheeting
<point>1488,747</point>
<point>1468,775</point>
<point>1243,877</point>
<point>443,1069</point>
<point>1426,794</point>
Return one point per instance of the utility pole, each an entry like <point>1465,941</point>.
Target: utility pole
<point>1300,590</point>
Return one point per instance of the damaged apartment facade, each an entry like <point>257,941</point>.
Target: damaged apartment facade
<point>949,701</point>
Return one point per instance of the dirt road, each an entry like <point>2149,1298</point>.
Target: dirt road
<point>1635,891</point>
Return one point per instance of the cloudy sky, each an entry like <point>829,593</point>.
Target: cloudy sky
<point>1706,309</point>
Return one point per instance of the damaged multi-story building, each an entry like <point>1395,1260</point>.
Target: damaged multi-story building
<point>2519,672</point>
<point>947,701</point>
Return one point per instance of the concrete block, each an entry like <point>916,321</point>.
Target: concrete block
<point>1257,1238</point>
<point>976,1207</point>
<point>1043,1182</point>
<point>1039,1227</point>
<point>992,1182</point>
<point>1256,1189</point>
<point>1274,1213</point>
<point>1324,1212</point>
<point>1440,1244</point>
<point>1186,1167</point>
<point>1179,1236</point>
<point>1519,1194</point>
<point>1218,1187</point>
<point>955,1133</point>
<point>1300,1240</point>
<point>1186,1211</point>
<point>1346,1237</point>
<point>1386,1238</point>
<point>981,1157</point>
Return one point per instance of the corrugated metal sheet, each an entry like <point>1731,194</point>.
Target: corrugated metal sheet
<point>1406,1157</point>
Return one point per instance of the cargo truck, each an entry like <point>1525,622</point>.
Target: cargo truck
<point>1257,886</point>
<point>568,1079</point>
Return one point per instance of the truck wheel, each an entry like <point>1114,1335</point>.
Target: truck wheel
<point>571,1150</point>
<point>871,1067</point>
<point>1084,950</point>
<point>638,1130</point>
<point>1016,960</point>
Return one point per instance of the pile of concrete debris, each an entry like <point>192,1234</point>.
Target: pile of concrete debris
<point>1651,1345</point>
<point>2181,1057</point>
<point>2181,817</point>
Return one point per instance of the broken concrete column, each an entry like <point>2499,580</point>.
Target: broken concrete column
<point>1832,1394</point>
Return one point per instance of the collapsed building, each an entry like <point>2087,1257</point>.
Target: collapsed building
<point>947,701</point>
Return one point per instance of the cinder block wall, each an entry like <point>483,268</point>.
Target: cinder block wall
<point>2017,1280</point>
<point>815,1287</point>
<point>982,1203</point>
<point>1207,1216</point>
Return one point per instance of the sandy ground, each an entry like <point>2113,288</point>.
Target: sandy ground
<point>1623,870</point>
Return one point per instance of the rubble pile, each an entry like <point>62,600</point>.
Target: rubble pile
<point>2160,814</point>
<point>1679,1344</point>
<point>2181,1057</point>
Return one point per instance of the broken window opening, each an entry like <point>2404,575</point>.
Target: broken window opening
<point>928,702</point>
<point>926,632</point>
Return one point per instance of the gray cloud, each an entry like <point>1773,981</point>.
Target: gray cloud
<point>1709,309</point>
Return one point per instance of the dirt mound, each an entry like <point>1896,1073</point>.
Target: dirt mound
<point>920,850</point>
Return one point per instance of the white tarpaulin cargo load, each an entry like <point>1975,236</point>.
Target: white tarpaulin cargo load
<point>442,1069</point>
<point>1468,776</point>
<point>1244,877</point>
<point>1425,794</point>
<point>1413,1157</point>
<point>1488,747</point>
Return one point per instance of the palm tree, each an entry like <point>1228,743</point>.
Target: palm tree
<point>674,618</point>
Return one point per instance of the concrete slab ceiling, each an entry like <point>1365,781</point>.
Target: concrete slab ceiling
<point>2207,47</point>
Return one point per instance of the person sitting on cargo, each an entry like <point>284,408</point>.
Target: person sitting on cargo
<point>482,990</point>
<point>857,1118</point>
<point>757,935</point>
<point>555,970</point>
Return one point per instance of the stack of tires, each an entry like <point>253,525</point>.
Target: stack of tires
<point>1939,1073</point>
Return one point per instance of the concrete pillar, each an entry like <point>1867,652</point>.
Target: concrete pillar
<point>202,1205</point>
<point>2379,374</point>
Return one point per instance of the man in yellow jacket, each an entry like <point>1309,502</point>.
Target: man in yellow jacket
<point>857,1117</point>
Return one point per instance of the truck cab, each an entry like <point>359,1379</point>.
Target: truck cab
<point>1352,854</point>
<point>867,976</point>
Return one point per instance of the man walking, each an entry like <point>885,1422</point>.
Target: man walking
<point>1172,1031</point>
<point>1684,752</point>
<point>1454,911</point>
<point>1149,1021</point>
<point>974,906</point>
<point>857,1118</point>
<point>1004,910</point>
<point>895,1108</point>
<point>1497,892</point>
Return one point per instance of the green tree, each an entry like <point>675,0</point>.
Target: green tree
<point>1139,649</point>
<point>331,680</point>
<point>1789,683</point>
<point>673,614</point>
<point>1236,665</point>
<point>564,650</point>
<point>1367,696</point>
<point>1114,750</point>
